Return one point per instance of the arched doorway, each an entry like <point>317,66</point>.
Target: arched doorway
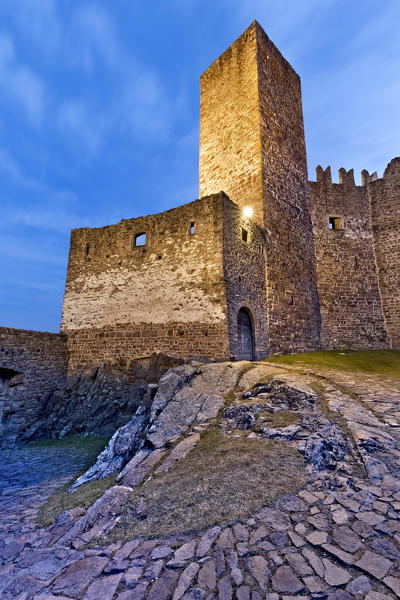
<point>245,335</point>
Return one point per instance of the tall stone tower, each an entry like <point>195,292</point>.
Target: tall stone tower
<point>252,147</point>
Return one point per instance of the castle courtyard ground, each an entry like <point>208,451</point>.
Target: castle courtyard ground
<point>291,490</point>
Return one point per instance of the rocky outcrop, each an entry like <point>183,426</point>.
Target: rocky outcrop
<point>187,399</point>
<point>98,402</point>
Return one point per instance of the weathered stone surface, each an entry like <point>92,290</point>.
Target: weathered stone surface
<point>375,596</point>
<point>284,580</point>
<point>207,577</point>
<point>298,563</point>
<point>163,587</point>
<point>135,473</point>
<point>293,504</point>
<point>185,580</point>
<point>225,539</point>
<point>161,552</point>
<point>317,538</point>
<point>180,413</point>
<point>153,570</point>
<point>183,554</point>
<point>259,569</point>
<point>77,576</point>
<point>103,588</point>
<point>394,584</point>
<point>137,593</point>
<point>23,586</point>
<point>315,585</point>
<point>180,451</point>
<point>275,519</point>
<point>374,564</point>
<point>335,575</point>
<point>314,561</point>
<point>104,509</point>
<point>359,586</point>
<point>206,541</point>
<point>132,575</point>
<point>370,518</point>
<point>344,557</point>
<point>347,539</point>
<point>225,590</point>
<point>243,593</point>
<point>385,547</point>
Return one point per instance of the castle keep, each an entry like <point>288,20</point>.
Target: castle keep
<point>264,262</point>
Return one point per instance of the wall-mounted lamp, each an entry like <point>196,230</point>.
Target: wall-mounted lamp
<point>248,211</point>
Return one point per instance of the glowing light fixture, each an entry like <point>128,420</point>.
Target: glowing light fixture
<point>248,211</point>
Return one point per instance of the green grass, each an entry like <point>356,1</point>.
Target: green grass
<point>60,500</point>
<point>282,418</point>
<point>84,496</point>
<point>223,480</point>
<point>92,444</point>
<point>378,362</point>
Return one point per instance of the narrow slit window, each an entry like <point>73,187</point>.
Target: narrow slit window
<point>88,250</point>
<point>140,240</point>
<point>245,235</point>
<point>335,223</point>
<point>191,230</point>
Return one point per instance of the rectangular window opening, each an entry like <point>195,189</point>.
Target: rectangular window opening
<point>335,223</point>
<point>191,230</point>
<point>140,239</point>
<point>245,235</point>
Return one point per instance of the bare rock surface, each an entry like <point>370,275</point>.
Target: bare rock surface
<point>336,539</point>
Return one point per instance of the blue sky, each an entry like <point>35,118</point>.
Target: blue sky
<point>99,113</point>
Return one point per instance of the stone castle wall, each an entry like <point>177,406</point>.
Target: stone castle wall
<point>252,146</point>
<point>292,300</point>
<point>348,288</point>
<point>165,296</point>
<point>384,196</point>
<point>32,365</point>
<point>244,272</point>
<point>230,149</point>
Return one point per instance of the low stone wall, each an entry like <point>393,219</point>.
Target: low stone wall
<point>90,347</point>
<point>32,365</point>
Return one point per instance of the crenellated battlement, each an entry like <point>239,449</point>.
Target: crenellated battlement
<point>346,178</point>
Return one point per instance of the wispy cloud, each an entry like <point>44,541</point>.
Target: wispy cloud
<point>19,83</point>
<point>11,168</point>
<point>79,125</point>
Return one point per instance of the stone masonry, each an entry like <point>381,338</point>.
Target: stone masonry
<point>32,365</point>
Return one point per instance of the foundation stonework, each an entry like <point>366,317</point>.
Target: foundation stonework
<point>32,365</point>
<point>316,265</point>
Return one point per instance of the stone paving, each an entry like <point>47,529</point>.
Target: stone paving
<point>340,542</point>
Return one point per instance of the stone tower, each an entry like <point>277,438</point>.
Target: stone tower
<point>252,147</point>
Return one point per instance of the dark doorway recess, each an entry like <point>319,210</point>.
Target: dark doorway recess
<point>245,335</point>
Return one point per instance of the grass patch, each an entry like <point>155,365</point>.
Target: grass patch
<point>92,444</point>
<point>223,480</point>
<point>378,362</point>
<point>84,496</point>
<point>283,418</point>
<point>60,500</point>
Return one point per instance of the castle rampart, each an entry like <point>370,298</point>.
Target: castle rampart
<point>384,197</point>
<point>347,279</point>
<point>32,365</point>
<point>168,295</point>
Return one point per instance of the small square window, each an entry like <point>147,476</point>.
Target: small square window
<point>140,239</point>
<point>245,235</point>
<point>191,230</point>
<point>335,223</point>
